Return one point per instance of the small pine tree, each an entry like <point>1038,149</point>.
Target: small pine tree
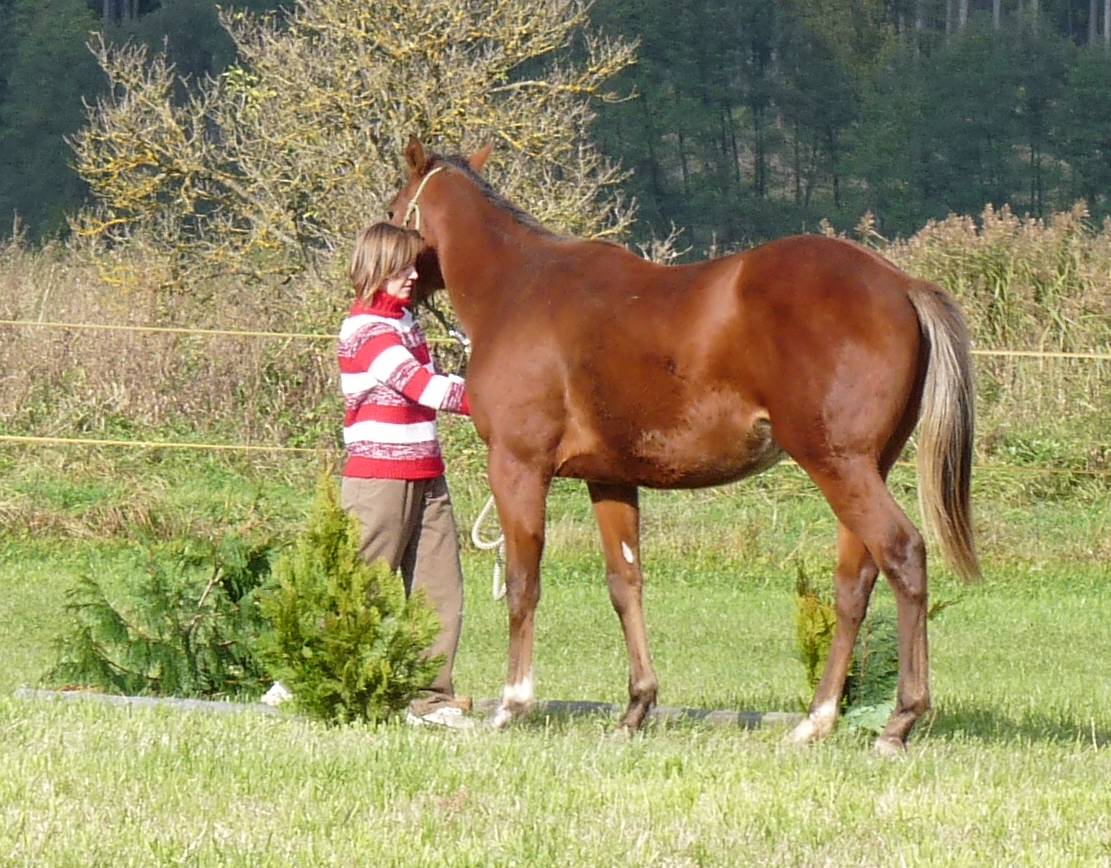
<point>188,627</point>
<point>873,673</point>
<point>869,695</point>
<point>344,638</point>
<point>815,618</point>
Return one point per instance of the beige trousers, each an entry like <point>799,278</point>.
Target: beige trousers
<point>410,525</point>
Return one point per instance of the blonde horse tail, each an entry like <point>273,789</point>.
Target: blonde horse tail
<point>946,429</point>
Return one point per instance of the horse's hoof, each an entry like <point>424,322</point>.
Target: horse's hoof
<point>621,734</point>
<point>501,719</point>
<point>632,722</point>
<point>805,733</point>
<point>889,747</point>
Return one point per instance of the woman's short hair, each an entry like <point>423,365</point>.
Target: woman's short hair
<point>381,251</point>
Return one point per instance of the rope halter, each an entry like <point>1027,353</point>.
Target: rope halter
<point>413,208</point>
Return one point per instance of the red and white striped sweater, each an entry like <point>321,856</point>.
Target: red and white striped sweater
<point>392,393</point>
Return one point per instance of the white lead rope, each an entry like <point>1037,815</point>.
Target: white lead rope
<point>485,545</point>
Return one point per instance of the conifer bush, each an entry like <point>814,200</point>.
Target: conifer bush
<point>869,695</point>
<point>344,639</point>
<point>815,618</point>
<point>188,627</point>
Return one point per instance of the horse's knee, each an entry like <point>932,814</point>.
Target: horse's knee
<point>522,594</point>
<point>624,587</point>
<point>903,560</point>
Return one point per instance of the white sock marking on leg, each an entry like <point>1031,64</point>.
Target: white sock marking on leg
<point>826,711</point>
<point>520,693</point>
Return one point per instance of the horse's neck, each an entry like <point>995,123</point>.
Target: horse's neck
<point>479,260</point>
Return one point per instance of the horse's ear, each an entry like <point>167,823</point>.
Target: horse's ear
<point>478,158</point>
<point>415,156</point>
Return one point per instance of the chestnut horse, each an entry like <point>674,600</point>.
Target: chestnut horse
<point>590,362</point>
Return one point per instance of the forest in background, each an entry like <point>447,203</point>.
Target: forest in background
<point>744,119</point>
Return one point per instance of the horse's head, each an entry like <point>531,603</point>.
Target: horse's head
<point>405,209</point>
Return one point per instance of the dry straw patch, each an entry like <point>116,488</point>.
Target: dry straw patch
<point>68,382</point>
<point>1024,282</point>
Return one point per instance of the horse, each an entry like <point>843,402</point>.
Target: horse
<point>590,362</point>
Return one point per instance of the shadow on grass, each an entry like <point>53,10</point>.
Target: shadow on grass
<point>962,720</point>
<point>547,712</point>
<point>953,721</point>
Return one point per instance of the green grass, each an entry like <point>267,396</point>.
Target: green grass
<point>83,785</point>
<point>1012,767</point>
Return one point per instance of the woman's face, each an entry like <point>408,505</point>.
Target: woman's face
<point>401,284</point>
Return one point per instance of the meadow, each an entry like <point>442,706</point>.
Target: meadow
<point>1011,767</point>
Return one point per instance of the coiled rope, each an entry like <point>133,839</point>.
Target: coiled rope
<point>498,543</point>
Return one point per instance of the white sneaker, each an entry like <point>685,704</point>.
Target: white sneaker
<point>276,695</point>
<point>446,715</point>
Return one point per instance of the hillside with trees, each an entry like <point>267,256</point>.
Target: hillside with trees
<point>742,119</point>
<point>753,119</point>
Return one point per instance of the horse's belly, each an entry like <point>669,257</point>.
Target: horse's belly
<point>677,460</point>
<point>694,452</point>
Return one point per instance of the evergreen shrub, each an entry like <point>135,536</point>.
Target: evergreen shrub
<point>188,627</point>
<point>344,639</point>
<point>869,696</point>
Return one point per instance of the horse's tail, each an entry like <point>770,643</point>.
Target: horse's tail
<point>947,426</point>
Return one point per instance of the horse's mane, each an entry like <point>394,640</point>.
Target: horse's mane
<point>523,217</point>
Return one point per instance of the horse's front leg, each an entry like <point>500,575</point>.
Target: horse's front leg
<point>618,514</point>
<point>520,492</point>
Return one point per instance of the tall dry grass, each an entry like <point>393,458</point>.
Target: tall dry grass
<point>1029,284</point>
<point>1024,284</point>
<point>57,381</point>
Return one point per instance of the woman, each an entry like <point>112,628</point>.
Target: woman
<point>393,481</point>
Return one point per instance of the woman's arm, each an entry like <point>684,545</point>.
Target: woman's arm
<point>389,362</point>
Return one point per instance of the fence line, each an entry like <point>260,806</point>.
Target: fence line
<point>235,333</point>
<point>243,447</point>
<point>1037,354</point>
<point>1044,354</point>
<point>160,444</point>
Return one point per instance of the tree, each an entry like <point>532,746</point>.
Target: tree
<point>293,148</point>
<point>1039,78</point>
<point>1082,128</point>
<point>819,103</point>
<point>45,69</point>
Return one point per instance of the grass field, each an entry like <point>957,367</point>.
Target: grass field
<point>1012,768</point>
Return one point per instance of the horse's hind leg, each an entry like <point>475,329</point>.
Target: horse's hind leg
<point>618,514</point>
<point>856,491</point>
<point>520,492</point>
<point>853,582</point>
